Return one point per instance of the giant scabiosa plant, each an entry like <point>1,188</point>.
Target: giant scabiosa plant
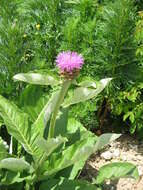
<point>50,143</point>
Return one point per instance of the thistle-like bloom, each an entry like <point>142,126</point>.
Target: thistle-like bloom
<point>69,63</point>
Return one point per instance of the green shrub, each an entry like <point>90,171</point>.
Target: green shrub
<point>14,53</point>
<point>128,102</point>
<point>117,55</point>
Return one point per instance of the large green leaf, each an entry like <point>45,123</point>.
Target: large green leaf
<point>74,125</point>
<point>105,139</point>
<point>100,143</point>
<point>49,146</point>
<point>64,184</point>
<point>36,78</point>
<point>82,94</point>
<point>61,122</point>
<point>88,83</point>
<point>33,100</point>
<point>117,170</point>
<point>14,164</point>
<point>72,171</point>
<point>75,132</point>
<point>18,125</point>
<point>3,149</point>
<point>61,119</point>
<point>8,177</point>
<point>49,108</point>
<point>42,119</point>
<point>81,149</point>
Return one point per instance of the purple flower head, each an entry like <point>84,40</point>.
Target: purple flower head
<point>69,62</point>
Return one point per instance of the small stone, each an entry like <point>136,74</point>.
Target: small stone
<point>140,170</point>
<point>139,157</point>
<point>116,153</point>
<point>134,147</point>
<point>108,182</point>
<point>107,155</point>
<point>124,158</point>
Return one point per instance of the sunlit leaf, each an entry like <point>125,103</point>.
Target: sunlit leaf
<point>42,119</point>
<point>36,78</point>
<point>117,170</point>
<point>33,100</point>
<point>105,139</point>
<point>14,164</point>
<point>76,132</point>
<point>88,83</point>
<point>48,146</point>
<point>64,184</point>
<point>81,149</point>
<point>18,125</point>
<point>82,94</point>
<point>49,108</point>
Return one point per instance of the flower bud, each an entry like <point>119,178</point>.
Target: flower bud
<point>69,64</point>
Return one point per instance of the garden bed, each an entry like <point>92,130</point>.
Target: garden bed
<point>126,149</point>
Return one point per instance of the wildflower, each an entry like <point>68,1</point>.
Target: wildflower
<point>69,63</point>
<point>37,26</point>
<point>24,35</point>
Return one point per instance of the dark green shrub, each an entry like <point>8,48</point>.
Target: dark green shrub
<point>14,53</point>
<point>116,48</point>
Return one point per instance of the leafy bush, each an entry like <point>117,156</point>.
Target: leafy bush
<point>117,55</point>
<point>128,102</point>
<point>115,44</point>
<point>87,116</point>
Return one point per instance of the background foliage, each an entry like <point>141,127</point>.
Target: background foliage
<point>108,33</point>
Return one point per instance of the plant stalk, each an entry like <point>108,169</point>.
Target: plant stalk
<point>60,99</point>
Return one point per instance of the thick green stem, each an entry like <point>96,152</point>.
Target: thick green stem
<point>28,186</point>
<point>60,99</point>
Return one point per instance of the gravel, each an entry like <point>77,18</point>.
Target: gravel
<point>125,148</point>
